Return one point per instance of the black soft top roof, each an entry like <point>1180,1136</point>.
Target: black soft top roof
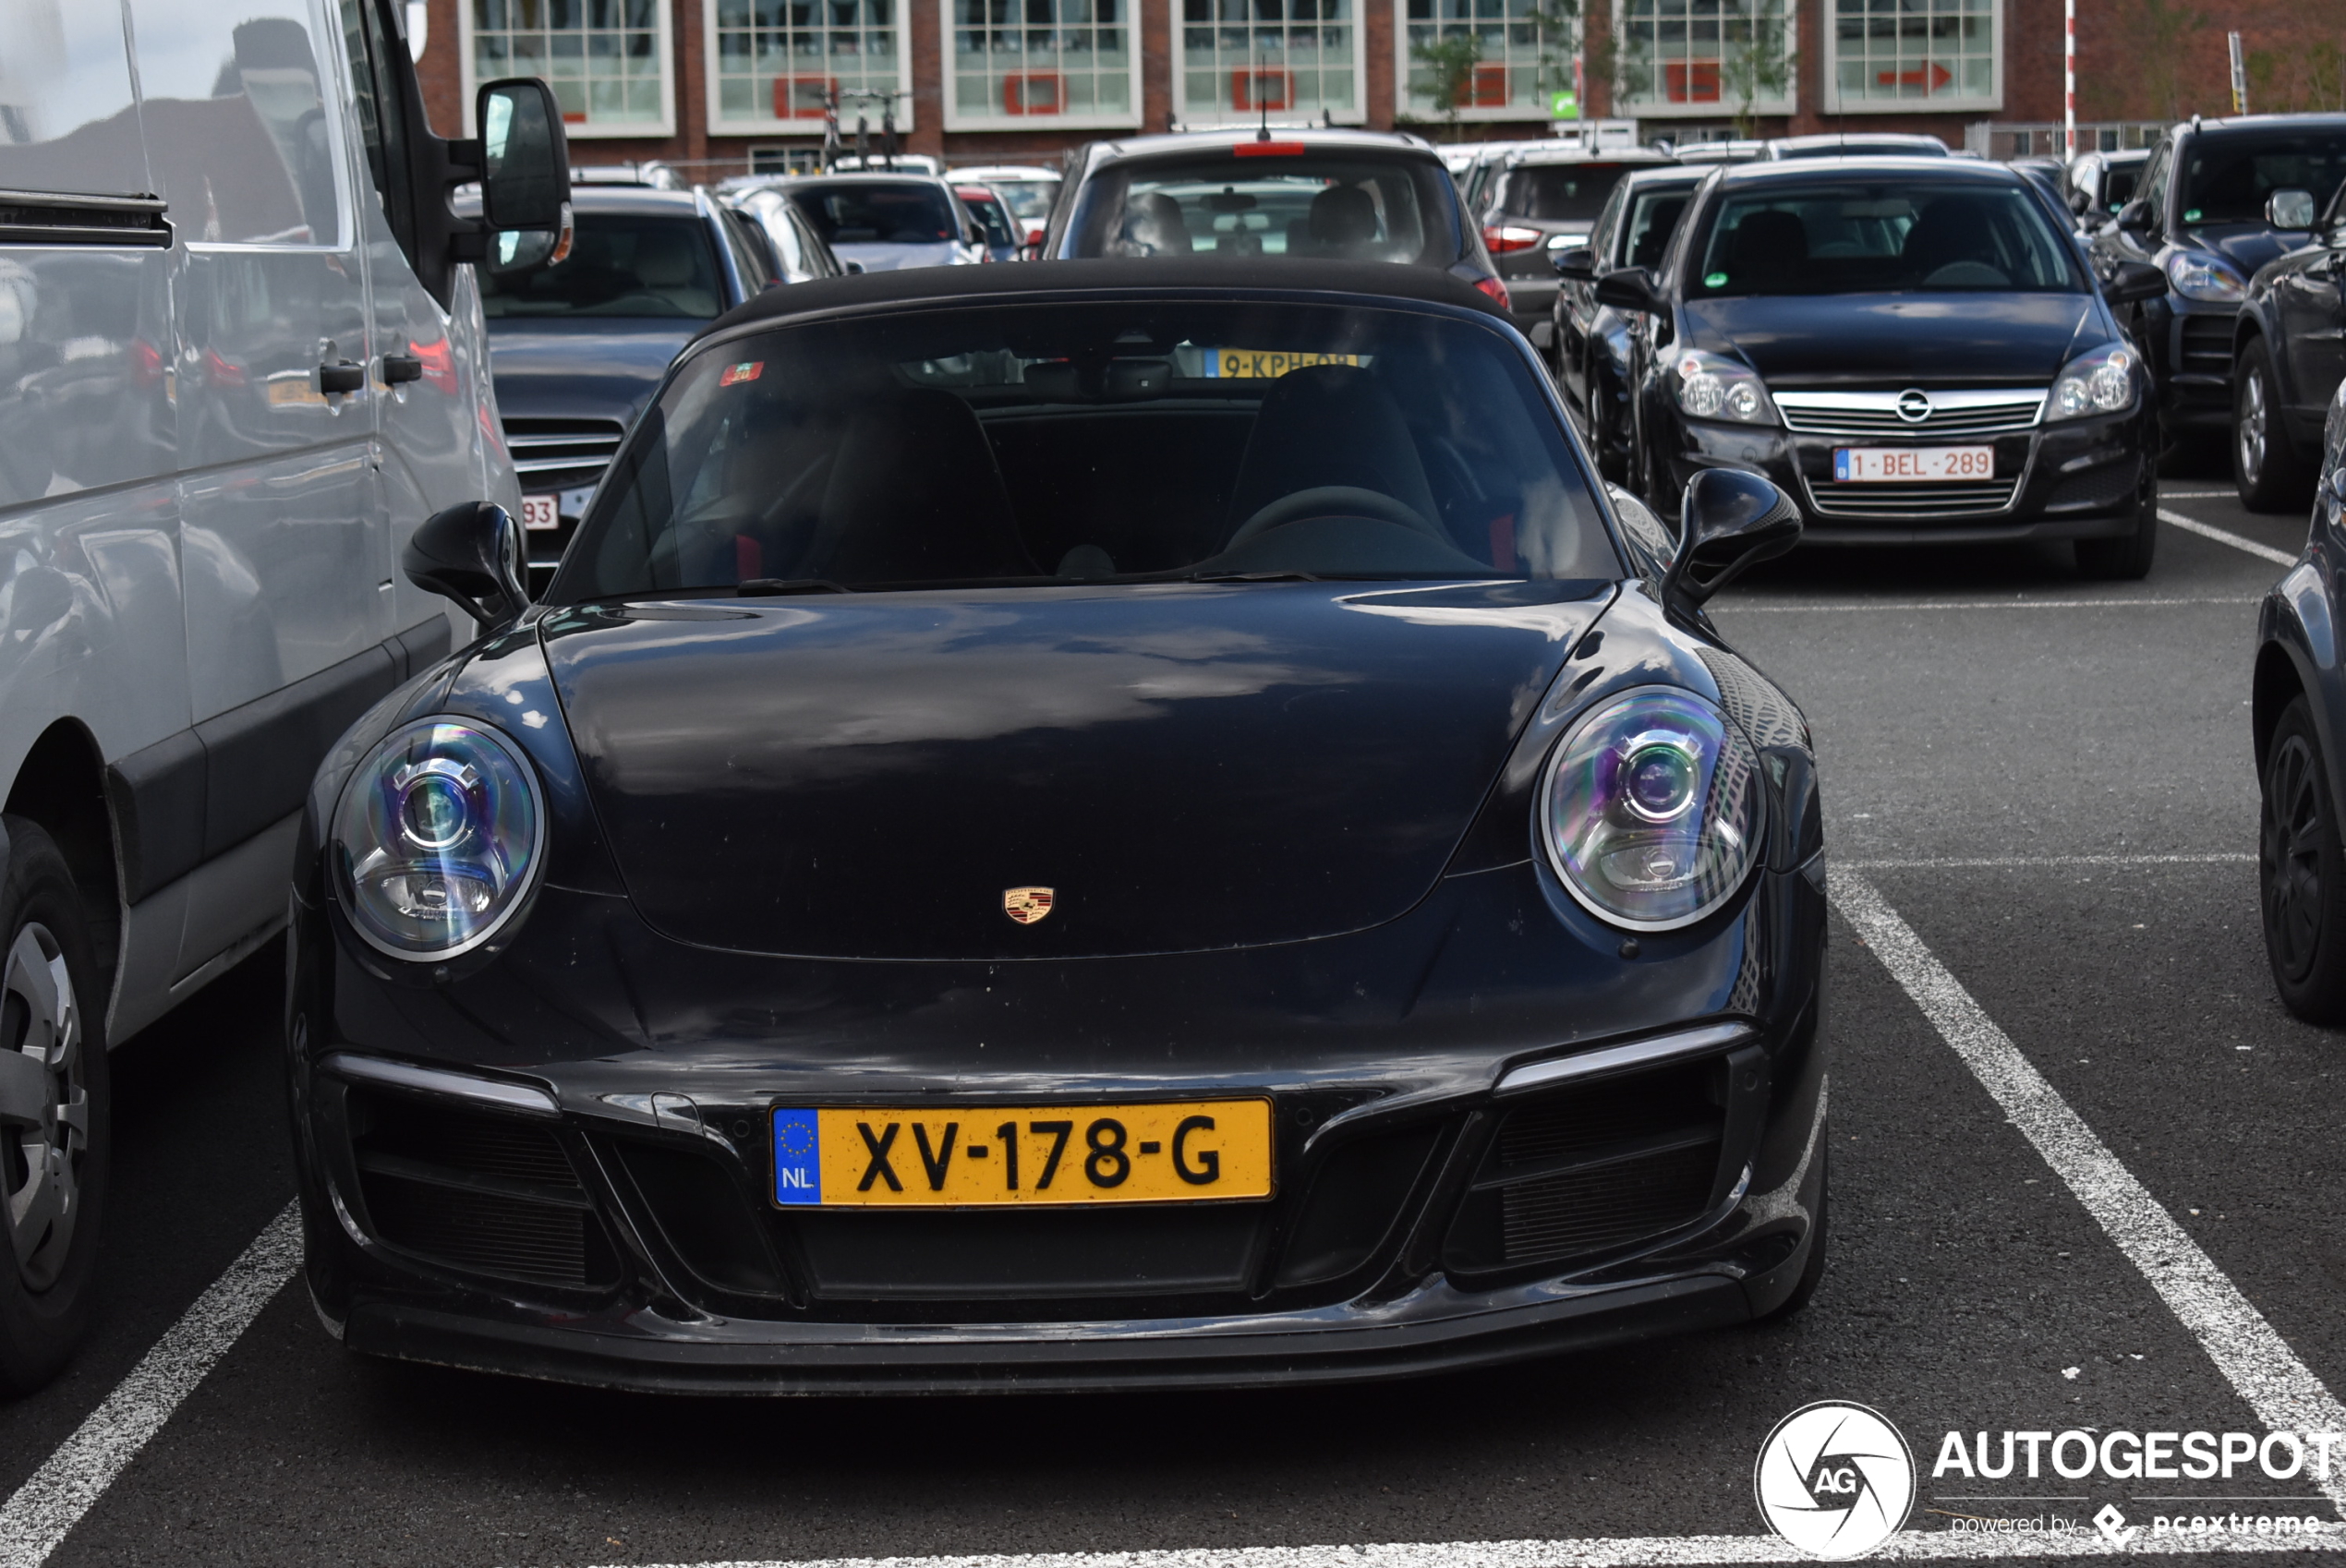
<point>1312,281</point>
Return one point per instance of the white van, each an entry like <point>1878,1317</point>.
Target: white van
<point>239,361</point>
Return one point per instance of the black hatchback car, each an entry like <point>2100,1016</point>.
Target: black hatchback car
<point>2201,216</point>
<point>1914,349</point>
<point>2289,354</point>
<point>1117,824</point>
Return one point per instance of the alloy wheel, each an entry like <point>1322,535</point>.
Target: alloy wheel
<point>45,1106</point>
<point>2249,427</point>
<point>2290,849</point>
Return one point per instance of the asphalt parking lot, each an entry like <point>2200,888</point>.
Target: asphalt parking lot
<point>2046,782</point>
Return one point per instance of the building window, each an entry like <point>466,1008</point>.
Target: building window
<point>1519,58</point>
<point>1031,64</point>
<point>777,63</point>
<point>1288,60</point>
<point>1704,57</point>
<point>1885,55</point>
<point>607,59</point>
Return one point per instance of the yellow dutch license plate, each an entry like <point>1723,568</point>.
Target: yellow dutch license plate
<point>1264,365</point>
<point>1008,1155</point>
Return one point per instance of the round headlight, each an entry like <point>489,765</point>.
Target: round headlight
<point>437,839</point>
<point>1651,810</point>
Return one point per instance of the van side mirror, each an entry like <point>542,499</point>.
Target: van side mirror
<point>2290,209</point>
<point>2132,282</point>
<point>1578,264</point>
<point>473,554</point>
<point>1730,519</point>
<point>524,174</point>
<point>1631,288</point>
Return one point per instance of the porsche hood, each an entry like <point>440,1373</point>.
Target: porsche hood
<point>1174,769</point>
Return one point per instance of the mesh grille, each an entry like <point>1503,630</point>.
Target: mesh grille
<point>1605,1114</point>
<point>1578,1211</point>
<point>476,1145</point>
<point>482,1231</point>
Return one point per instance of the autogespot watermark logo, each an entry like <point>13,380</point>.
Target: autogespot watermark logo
<point>1834,1480</point>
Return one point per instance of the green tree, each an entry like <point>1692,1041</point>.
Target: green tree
<point>1450,62</point>
<point>1754,62</point>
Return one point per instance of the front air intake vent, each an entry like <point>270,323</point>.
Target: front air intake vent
<point>1576,1174</point>
<point>477,1193</point>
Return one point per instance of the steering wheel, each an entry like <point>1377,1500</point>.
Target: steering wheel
<point>1334,500</point>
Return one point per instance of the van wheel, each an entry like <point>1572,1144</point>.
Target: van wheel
<point>53,1105</point>
<point>2268,469</point>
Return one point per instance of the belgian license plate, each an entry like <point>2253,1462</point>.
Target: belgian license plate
<point>1010,1155</point>
<point>541,512</point>
<point>1909,464</point>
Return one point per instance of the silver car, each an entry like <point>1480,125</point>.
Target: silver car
<point>886,222</point>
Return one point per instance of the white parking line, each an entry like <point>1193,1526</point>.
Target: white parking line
<point>2225,537</point>
<point>1851,608</point>
<point>77,1475</point>
<point>1627,1552</point>
<point>2267,1374</point>
<point>2018,862</point>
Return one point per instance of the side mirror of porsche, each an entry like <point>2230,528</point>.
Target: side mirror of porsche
<point>1575,264</point>
<point>1730,519</point>
<point>2131,283</point>
<point>1631,288</point>
<point>472,554</point>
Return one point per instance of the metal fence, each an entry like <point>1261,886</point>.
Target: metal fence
<point>1991,138</point>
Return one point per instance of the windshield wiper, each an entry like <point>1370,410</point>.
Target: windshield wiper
<point>764,587</point>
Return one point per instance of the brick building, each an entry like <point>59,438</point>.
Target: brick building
<point>713,85</point>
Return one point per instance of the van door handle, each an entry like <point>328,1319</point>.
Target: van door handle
<point>402,367</point>
<point>345,377</point>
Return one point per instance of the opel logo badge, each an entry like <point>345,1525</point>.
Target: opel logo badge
<point>1914,406</point>
<point>1026,905</point>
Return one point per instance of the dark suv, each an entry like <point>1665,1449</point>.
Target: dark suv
<point>1540,205</point>
<point>2289,354</point>
<point>2200,218</point>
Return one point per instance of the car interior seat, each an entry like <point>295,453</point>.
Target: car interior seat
<point>915,495</point>
<point>1329,426</point>
<point>666,264</point>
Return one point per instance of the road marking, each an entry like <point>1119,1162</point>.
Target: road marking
<point>2225,537</point>
<point>1631,1551</point>
<point>2198,494</point>
<point>2016,863</point>
<point>2267,1374</point>
<point>77,1475</point>
<point>1782,609</point>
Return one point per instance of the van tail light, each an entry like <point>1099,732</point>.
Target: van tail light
<point>1497,291</point>
<point>1502,237</point>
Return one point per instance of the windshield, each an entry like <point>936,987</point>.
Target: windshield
<point>1037,444</point>
<point>620,264</point>
<point>1030,199</point>
<point>1361,208</point>
<point>855,213</point>
<point>1850,236</point>
<point>1653,214</point>
<point>2227,179</point>
<point>1559,193</point>
<point>989,215</point>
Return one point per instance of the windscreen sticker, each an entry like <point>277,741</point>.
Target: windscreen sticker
<point>1716,280</point>
<point>2191,214</point>
<point>747,370</point>
<point>1259,364</point>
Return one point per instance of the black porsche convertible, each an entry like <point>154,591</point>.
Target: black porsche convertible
<point>1094,826</point>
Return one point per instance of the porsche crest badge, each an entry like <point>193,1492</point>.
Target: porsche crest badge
<point>1026,905</point>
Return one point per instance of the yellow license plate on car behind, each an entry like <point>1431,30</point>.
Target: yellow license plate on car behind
<point>1002,1156</point>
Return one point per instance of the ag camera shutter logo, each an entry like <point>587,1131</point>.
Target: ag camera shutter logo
<point>1834,1480</point>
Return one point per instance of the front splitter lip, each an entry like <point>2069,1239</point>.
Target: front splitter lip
<point>1435,1328</point>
